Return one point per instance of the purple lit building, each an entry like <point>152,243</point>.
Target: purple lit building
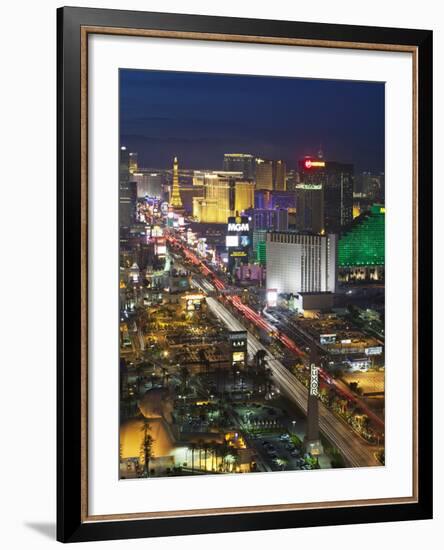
<point>268,218</point>
<point>264,199</point>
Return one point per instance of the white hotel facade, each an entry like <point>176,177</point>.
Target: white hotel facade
<point>298,262</point>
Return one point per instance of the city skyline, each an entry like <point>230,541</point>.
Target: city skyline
<point>216,114</point>
<point>251,288</point>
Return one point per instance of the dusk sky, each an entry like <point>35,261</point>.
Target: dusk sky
<point>199,116</point>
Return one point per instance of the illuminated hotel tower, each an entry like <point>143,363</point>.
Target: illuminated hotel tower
<point>175,200</point>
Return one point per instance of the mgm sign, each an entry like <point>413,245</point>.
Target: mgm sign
<point>238,348</point>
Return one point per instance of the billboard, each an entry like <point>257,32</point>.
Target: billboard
<point>327,338</point>
<point>272,296</point>
<point>238,254</point>
<point>238,356</point>
<point>232,241</point>
<point>244,240</point>
<point>160,246</point>
<point>238,346</point>
<point>202,246</point>
<point>373,350</point>
<point>156,231</point>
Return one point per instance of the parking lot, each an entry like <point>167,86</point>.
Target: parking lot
<point>271,432</point>
<point>280,453</point>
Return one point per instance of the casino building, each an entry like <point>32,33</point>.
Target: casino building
<point>361,249</point>
<point>309,207</point>
<point>298,262</point>
<point>240,162</point>
<point>336,182</point>
<point>224,195</point>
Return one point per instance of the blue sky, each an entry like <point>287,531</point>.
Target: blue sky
<point>199,117</point>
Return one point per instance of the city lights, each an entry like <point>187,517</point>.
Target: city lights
<point>252,300</point>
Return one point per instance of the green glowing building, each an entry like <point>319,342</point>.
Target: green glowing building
<point>361,248</point>
<point>261,252</point>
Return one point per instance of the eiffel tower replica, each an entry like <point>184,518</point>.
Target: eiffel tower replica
<point>175,200</point>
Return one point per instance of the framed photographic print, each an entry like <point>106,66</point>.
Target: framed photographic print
<point>245,266</point>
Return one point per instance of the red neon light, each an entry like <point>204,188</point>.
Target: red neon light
<point>309,163</point>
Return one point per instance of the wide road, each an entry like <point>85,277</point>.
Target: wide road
<point>354,450</point>
<point>288,326</point>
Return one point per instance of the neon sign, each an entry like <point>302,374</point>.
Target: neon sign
<point>314,380</point>
<point>238,227</point>
<point>272,295</point>
<point>314,163</point>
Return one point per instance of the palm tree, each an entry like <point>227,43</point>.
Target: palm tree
<point>192,447</point>
<point>200,445</point>
<point>213,448</point>
<point>184,378</point>
<point>268,375</point>
<point>164,374</point>
<point>146,446</point>
<point>234,371</point>
<point>206,448</point>
<point>282,462</point>
<point>231,458</point>
<point>218,373</point>
<point>224,449</point>
<point>260,358</point>
<point>204,360</point>
<point>138,378</point>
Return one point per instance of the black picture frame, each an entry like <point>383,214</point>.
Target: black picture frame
<point>71,526</point>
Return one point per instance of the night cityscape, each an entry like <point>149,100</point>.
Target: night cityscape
<point>251,276</point>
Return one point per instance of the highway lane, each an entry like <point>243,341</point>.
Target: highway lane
<point>202,284</point>
<point>354,450</point>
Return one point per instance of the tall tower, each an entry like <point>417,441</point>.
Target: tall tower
<point>175,200</point>
<point>264,174</point>
<point>312,441</point>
